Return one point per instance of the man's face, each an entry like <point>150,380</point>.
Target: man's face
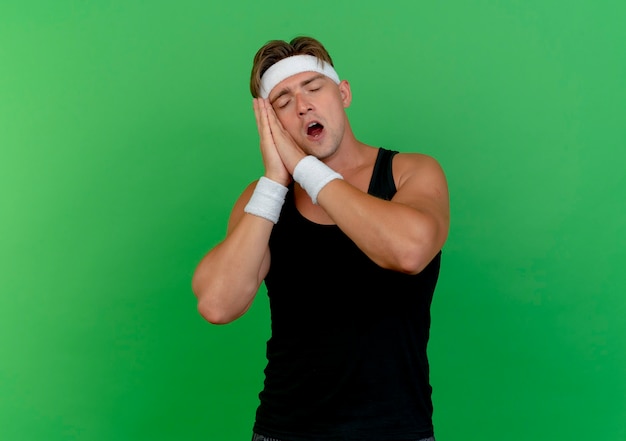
<point>311,107</point>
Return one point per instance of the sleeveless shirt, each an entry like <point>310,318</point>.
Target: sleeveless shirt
<point>347,356</point>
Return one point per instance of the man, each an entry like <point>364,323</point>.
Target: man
<point>347,238</point>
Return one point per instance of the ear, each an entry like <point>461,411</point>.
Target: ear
<point>346,93</point>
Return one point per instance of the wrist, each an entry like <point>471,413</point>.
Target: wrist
<point>267,199</point>
<point>281,179</point>
<point>313,175</point>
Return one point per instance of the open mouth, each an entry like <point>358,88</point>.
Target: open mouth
<point>314,130</point>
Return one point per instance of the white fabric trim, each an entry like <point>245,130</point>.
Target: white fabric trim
<point>291,66</point>
<point>267,199</point>
<point>313,175</point>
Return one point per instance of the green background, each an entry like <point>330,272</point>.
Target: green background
<point>127,132</point>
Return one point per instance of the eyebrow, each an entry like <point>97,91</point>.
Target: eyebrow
<point>286,90</point>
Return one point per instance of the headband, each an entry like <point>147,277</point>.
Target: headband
<point>293,65</point>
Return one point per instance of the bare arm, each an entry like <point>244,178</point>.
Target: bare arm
<point>403,234</point>
<point>228,277</point>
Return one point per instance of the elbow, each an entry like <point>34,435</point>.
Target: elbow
<point>207,306</point>
<point>413,263</point>
<point>409,258</point>
<point>415,256</point>
<point>214,315</point>
<point>218,305</point>
<point>417,253</point>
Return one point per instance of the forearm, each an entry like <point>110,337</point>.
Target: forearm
<point>227,279</point>
<point>394,235</point>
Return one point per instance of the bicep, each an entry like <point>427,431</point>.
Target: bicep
<point>422,185</point>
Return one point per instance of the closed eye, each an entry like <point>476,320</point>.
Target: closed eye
<point>282,104</point>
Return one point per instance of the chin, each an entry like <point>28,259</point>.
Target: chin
<point>324,153</point>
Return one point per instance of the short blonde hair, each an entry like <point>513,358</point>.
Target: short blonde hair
<point>276,50</point>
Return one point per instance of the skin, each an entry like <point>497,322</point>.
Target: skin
<point>403,234</point>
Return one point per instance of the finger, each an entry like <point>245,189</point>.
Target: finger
<point>274,123</point>
<point>264,125</point>
<point>257,113</point>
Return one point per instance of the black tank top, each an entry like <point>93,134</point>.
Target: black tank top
<point>347,355</point>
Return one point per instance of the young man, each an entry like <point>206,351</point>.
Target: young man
<point>347,238</point>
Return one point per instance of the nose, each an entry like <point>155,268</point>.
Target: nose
<point>303,104</point>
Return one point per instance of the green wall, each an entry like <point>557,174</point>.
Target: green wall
<point>126,133</point>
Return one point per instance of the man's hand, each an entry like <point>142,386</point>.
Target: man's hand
<point>274,167</point>
<point>289,152</point>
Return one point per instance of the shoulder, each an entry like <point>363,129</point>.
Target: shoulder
<point>416,160</point>
<point>416,166</point>
<point>422,184</point>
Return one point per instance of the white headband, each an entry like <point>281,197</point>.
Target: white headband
<point>293,65</point>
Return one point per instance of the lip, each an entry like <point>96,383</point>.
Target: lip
<point>310,122</point>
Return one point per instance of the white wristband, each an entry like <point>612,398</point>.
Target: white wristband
<point>267,199</point>
<point>312,175</point>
